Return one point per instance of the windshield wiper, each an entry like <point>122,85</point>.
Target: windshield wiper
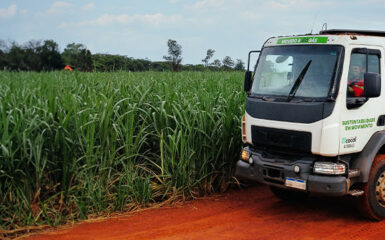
<point>298,82</point>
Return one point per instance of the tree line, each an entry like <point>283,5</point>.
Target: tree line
<point>45,55</point>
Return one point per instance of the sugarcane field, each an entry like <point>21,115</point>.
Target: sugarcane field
<point>202,119</point>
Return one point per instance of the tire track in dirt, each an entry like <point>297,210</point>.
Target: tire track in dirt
<point>252,213</point>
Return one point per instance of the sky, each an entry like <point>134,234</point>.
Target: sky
<point>141,28</point>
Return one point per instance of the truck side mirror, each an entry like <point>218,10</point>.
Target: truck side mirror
<point>248,82</point>
<point>372,84</point>
<point>248,73</point>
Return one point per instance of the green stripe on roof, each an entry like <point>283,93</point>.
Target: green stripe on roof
<point>296,40</point>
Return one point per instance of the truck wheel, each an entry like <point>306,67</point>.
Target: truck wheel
<point>372,202</point>
<point>288,195</point>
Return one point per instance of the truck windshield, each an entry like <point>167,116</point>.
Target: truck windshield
<point>308,70</point>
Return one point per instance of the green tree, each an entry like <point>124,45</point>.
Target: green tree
<point>192,67</point>
<point>19,58</point>
<point>216,63</point>
<point>143,64</point>
<point>174,54</point>
<point>209,55</point>
<point>16,57</point>
<point>32,56</point>
<point>240,65</point>
<point>160,66</point>
<point>109,62</point>
<point>50,56</point>
<point>3,55</point>
<point>3,60</point>
<point>227,62</point>
<point>78,56</point>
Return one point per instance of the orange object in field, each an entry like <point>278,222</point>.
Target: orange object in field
<point>68,67</point>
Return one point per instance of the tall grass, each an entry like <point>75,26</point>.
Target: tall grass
<point>75,144</point>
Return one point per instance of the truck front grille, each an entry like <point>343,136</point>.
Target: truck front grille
<point>287,140</point>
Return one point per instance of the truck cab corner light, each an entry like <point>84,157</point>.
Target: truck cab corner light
<point>329,168</point>
<point>244,139</point>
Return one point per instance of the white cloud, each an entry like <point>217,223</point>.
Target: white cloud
<point>57,7</point>
<point>204,4</point>
<point>251,15</point>
<point>152,19</point>
<point>8,12</point>
<point>288,4</point>
<point>89,6</point>
<point>63,25</point>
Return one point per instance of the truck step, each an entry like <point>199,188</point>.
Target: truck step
<point>354,173</point>
<point>355,192</point>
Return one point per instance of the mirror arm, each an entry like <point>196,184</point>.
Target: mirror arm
<point>248,59</point>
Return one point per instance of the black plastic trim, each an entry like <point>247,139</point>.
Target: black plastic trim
<point>367,51</point>
<point>324,185</point>
<point>330,185</point>
<point>299,112</point>
<point>335,84</point>
<point>381,120</point>
<point>365,158</point>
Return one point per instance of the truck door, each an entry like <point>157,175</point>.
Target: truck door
<point>360,115</point>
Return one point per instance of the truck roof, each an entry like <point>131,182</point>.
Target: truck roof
<point>332,36</point>
<point>352,31</point>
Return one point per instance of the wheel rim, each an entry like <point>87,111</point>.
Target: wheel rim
<point>380,189</point>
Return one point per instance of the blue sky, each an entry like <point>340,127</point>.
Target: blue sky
<point>140,29</point>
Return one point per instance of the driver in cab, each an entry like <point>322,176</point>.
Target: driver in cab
<point>356,80</point>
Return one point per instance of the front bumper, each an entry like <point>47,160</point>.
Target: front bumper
<point>276,171</point>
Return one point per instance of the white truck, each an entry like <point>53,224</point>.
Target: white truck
<point>315,117</point>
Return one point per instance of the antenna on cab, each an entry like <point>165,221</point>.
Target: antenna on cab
<point>324,27</point>
<point>314,20</point>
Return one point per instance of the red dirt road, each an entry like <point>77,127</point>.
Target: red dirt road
<point>252,213</point>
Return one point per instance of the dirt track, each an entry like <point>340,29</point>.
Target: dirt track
<point>253,213</point>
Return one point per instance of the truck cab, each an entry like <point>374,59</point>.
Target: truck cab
<point>315,117</point>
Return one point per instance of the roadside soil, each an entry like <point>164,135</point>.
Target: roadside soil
<point>252,213</point>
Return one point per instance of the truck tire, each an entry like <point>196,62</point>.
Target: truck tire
<point>372,202</point>
<point>288,195</point>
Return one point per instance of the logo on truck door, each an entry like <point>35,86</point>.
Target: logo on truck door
<point>349,142</point>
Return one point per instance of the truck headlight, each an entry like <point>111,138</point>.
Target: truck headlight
<point>245,155</point>
<point>329,168</point>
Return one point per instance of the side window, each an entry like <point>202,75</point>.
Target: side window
<point>361,61</point>
<point>374,63</point>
